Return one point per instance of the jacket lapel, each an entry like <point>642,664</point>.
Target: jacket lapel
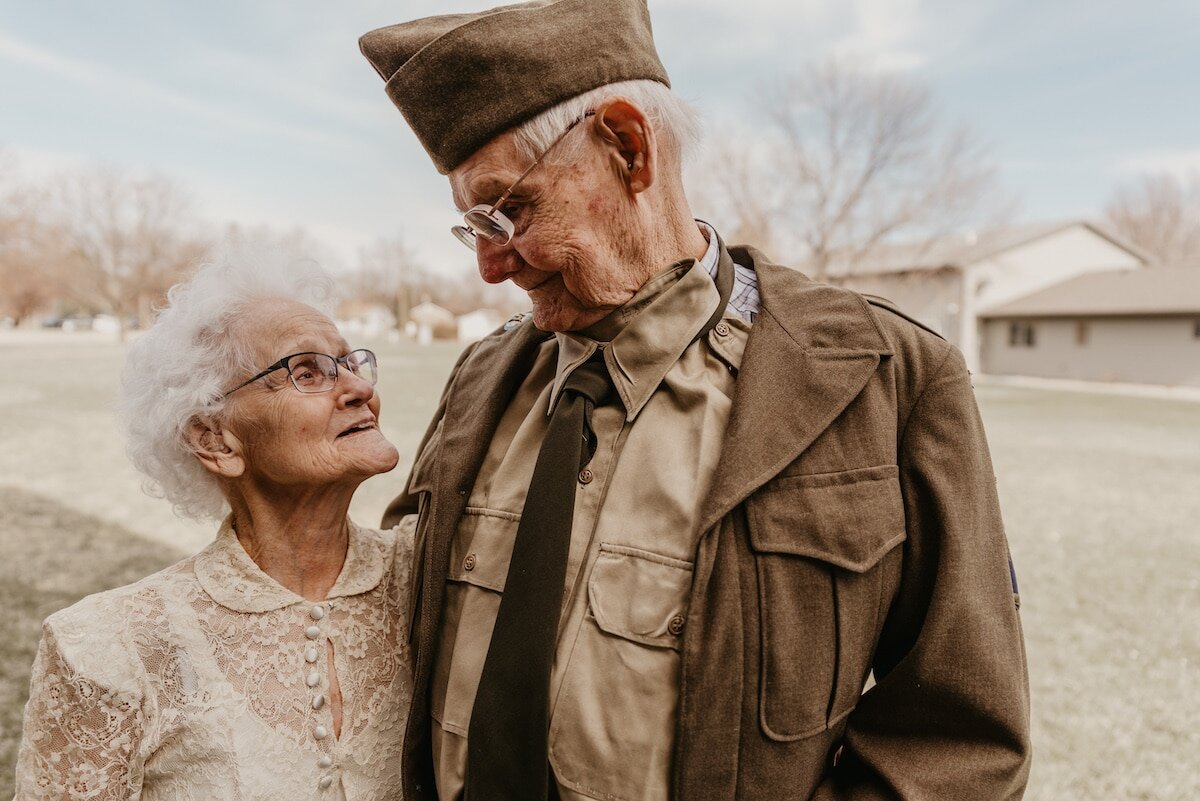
<point>811,351</point>
<point>477,399</point>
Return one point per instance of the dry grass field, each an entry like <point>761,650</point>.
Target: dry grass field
<point>1101,497</point>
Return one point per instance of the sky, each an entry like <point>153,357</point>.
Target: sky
<point>269,115</point>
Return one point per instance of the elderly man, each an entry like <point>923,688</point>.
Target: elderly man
<point>677,517</point>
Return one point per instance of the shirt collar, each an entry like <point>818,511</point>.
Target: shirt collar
<point>233,580</point>
<point>644,338</point>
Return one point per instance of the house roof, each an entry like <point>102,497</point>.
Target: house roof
<point>1144,291</point>
<point>963,249</point>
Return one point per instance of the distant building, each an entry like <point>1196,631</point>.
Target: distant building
<point>947,282</point>
<point>476,325</point>
<point>430,321</point>
<point>1140,326</point>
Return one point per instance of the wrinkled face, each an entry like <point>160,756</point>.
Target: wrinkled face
<point>574,250</point>
<point>297,441</point>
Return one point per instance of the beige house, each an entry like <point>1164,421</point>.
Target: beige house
<point>1138,326</point>
<point>947,282</point>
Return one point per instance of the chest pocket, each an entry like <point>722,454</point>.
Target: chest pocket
<point>612,727</point>
<point>819,544</point>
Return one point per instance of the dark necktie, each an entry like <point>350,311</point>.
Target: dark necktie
<point>509,729</point>
<point>510,722</point>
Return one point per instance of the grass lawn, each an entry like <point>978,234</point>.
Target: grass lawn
<point>1101,497</point>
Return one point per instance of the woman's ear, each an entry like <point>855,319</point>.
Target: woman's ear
<point>217,448</point>
<point>634,150</point>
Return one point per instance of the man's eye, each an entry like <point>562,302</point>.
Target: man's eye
<point>511,210</point>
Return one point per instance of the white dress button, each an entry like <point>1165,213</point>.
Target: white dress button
<point>318,701</point>
<point>312,632</point>
<point>310,655</point>
<point>313,679</point>
<point>325,762</point>
<point>325,782</point>
<point>320,732</point>
<point>316,613</point>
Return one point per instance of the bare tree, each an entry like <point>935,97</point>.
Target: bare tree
<point>850,159</point>
<point>1160,213</point>
<point>31,258</point>
<point>127,238</point>
<point>388,274</point>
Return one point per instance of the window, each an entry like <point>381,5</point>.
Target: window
<point>1081,332</point>
<point>1021,335</point>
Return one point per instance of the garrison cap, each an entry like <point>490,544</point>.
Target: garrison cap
<point>462,79</point>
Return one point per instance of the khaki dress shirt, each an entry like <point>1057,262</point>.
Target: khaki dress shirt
<point>210,680</point>
<point>614,686</point>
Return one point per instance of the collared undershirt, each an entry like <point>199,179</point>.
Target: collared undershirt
<point>615,683</point>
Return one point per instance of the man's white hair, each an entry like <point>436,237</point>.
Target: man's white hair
<point>178,370</point>
<point>675,122</point>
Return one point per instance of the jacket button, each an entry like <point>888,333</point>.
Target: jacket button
<point>469,562</point>
<point>675,627</point>
<point>722,329</point>
<point>586,476</point>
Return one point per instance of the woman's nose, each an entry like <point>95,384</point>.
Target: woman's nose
<point>353,389</point>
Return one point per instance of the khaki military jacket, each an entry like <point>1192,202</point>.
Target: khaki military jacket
<point>852,527</point>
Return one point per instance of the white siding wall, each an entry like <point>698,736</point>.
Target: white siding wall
<point>1142,350</point>
<point>1029,268</point>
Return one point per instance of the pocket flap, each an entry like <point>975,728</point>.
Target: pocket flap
<point>639,595</point>
<point>849,519</point>
<point>481,554</point>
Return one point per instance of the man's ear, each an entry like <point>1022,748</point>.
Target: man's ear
<point>217,448</point>
<point>634,149</point>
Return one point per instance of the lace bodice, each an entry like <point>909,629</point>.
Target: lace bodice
<point>209,680</point>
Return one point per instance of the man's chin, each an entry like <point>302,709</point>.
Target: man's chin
<point>550,317</point>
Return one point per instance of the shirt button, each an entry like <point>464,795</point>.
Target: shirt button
<point>722,329</point>
<point>586,476</point>
<point>316,613</point>
<point>312,632</point>
<point>318,701</point>
<point>310,655</point>
<point>675,626</point>
<point>469,562</point>
<point>325,762</point>
<point>320,732</point>
<point>313,679</point>
<point>325,782</point>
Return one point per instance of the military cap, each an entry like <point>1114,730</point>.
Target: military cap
<point>462,79</point>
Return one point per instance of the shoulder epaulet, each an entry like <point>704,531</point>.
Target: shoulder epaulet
<point>517,319</point>
<point>884,303</point>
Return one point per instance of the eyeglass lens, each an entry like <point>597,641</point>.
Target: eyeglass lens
<point>317,372</point>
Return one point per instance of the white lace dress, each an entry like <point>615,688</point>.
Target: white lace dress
<point>208,680</point>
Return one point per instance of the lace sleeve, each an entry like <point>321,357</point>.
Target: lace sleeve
<point>82,732</point>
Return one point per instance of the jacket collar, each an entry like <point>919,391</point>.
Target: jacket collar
<point>233,580</point>
<point>811,351</point>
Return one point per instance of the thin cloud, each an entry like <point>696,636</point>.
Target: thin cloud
<point>104,79</point>
<point>1178,162</point>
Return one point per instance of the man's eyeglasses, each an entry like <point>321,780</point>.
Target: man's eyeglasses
<point>318,372</point>
<point>490,223</point>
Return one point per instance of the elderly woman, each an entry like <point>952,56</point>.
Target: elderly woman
<point>273,664</point>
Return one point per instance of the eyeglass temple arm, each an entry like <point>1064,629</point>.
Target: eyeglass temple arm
<point>508,192</point>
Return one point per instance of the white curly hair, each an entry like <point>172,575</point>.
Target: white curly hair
<point>177,370</point>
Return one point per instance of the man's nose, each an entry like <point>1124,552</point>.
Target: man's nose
<point>496,262</point>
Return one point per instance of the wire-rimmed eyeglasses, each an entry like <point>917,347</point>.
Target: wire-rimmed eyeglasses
<point>488,221</point>
<point>311,373</point>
